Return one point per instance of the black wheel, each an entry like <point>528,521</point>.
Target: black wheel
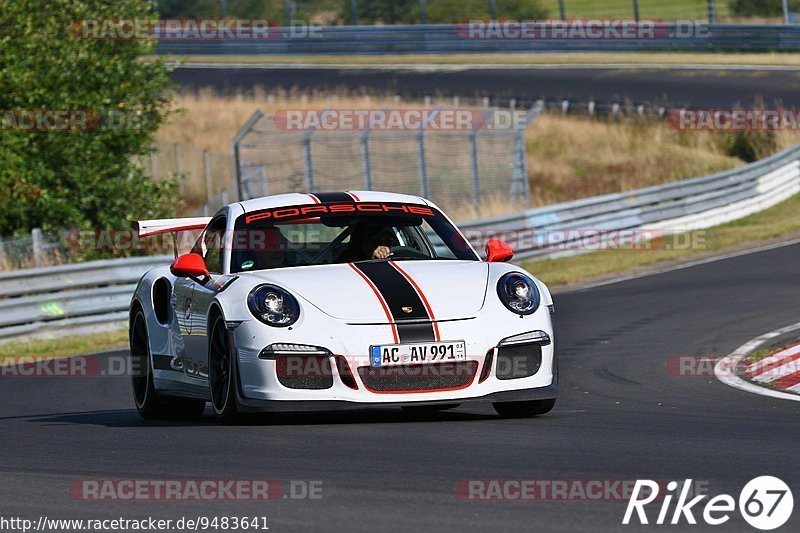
<point>150,404</point>
<point>222,378</point>
<point>429,408</point>
<point>524,409</point>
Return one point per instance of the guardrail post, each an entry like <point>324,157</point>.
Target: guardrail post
<point>519,179</point>
<point>262,175</point>
<point>153,162</point>
<point>476,177</point>
<point>308,162</point>
<point>712,11</point>
<point>422,164</point>
<point>288,13</point>
<point>354,12</point>
<point>561,12</point>
<point>366,162</point>
<point>493,9</point>
<point>179,170</point>
<point>636,10</point>
<point>2,252</point>
<point>38,252</point>
<point>785,6</point>
<point>207,172</point>
<point>236,158</point>
<point>423,16</point>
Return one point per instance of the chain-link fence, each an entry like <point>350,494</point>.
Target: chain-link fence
<point>458,167</point>
<point>38,249</point>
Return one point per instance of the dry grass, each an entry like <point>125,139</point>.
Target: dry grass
<point>568,157</point>
<point>577,157</point>
<point>65,346</point>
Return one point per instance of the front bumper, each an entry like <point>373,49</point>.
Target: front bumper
<point>548,392</point>
<point>260,389</point>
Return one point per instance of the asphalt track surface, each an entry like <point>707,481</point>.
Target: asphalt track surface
<point>621,416</point>
<point>678,87</point>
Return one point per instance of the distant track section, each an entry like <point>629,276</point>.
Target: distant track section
<point>676,87</point>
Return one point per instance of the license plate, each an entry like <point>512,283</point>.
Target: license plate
<point>417,353</point>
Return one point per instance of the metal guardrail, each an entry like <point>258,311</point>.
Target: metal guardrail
<point>685,205</point>
<point>74,298</point>
<point>452,38</point>
<point>93,295</point>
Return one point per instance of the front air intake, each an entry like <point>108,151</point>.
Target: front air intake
<point>518,361</point>
<point>419,378</point>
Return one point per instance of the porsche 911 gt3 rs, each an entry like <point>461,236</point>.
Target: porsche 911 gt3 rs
<point>338,300</point>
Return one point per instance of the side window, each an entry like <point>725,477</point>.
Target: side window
<point>210,245</point>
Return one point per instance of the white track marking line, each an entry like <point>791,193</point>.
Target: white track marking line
<point>724,373</point>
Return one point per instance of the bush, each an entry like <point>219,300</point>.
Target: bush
<point>85,177</point>
<point>440,11</point>
<point>749,145</point>
<point>760,8</point>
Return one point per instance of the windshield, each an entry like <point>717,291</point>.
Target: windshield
<point>343,233</point>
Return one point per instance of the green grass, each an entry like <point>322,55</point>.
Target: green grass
<point>648,9</point>
<point>66,346</point>
<point>782,219</point>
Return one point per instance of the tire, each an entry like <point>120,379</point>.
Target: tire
<point>524,409</point>
<point>149,403</point>
<point>429,408</point>
<point>222,377</point>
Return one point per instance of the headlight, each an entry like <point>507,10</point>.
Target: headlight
<point>273,306</point>
<point>518,293</point>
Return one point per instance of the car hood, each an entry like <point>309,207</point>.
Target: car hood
<point>452,289</point>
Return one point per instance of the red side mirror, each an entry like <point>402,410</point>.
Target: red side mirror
<point>498,252</point>
<point>189,266</point>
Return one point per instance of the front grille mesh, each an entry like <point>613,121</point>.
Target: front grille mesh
<point>304,371</point>
<point>418,378</point>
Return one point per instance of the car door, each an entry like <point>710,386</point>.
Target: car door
<point>199,298</point>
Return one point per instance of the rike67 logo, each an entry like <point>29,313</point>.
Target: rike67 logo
<point>765,503</point>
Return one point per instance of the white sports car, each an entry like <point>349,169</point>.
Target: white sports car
<point>323,301</point>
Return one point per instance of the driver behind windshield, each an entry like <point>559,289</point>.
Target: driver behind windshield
<point>266,248</point>
<point>368,241</point>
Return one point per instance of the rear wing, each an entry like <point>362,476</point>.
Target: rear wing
<point>147,228</point>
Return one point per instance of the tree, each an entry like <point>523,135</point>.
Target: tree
<point>450,11</point>
<point>441,11</point>
<point>84,176</point>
